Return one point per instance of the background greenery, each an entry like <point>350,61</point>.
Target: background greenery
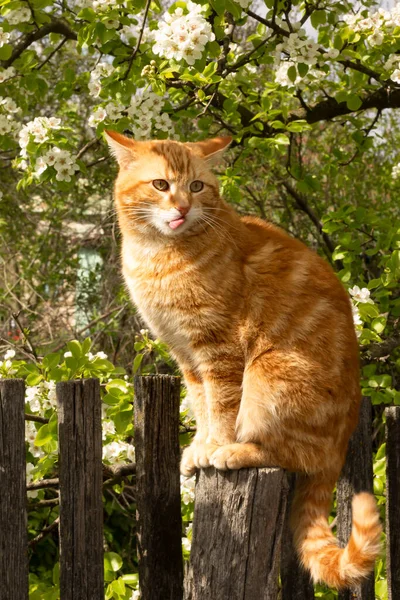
<point>309,92</point>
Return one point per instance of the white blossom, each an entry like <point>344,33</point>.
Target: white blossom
<point>361,295</point>
<point>98,115</point>
<point>395,76</point>
<point>356,315</point>
<point>4,37</point>
<point>117,452</point>
<point>38,129</point>
<point>108,428</point>
<point>135,595</point>
<point>396,171</point>
<point>29,477</point>
<point>331,53</point>
<point>183,37</point>
<point>376,38</point>
<point>111,23</point>
<point>9,354</point>
<point>30,436</point>
<point>7,74</point>
<point>8,104</point>
<point>114,110</point>
<point>6,125</point>
<point>19,15</point>
<point>188,485</point>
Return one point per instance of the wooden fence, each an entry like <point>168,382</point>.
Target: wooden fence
<point>241,539</point>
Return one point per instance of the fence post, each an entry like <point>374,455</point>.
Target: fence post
<point>295,580</point>
<point>238,522</point>
<point>81,476</point>
<point>158,499</point>
<point>392,414</point>
<point>356,476</point>
<point>13,520</point>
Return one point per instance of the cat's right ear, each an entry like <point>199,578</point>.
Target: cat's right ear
<point>122,148</point>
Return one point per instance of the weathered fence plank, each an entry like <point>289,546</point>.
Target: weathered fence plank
<point>295,580</point>
<point>13,520</point>
<point>81,510</point>
<point>393,501</point>
<point>238,522</point>
<point>356,476</point>
<point>158,498</point>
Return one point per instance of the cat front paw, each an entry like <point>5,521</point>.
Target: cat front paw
<point>187,466</point>
<point>197,456</point>
<point>231,456</point>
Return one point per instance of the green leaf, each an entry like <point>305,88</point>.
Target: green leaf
<point>43,436</point>
<point>379,324</point>
<point>318,17</point>
<point>281,139</point>
<point>5,52</point>
<point>353,102</point>
<point>86,345</point>
<point>75,348</point>
<point>137,362</point>
<point>292,73</point>
<point>302,69</point>
<point>123,419</point>
<point>51,360</point>
<point>112,561</point>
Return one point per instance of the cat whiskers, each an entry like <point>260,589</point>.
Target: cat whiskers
<point>217,227</point>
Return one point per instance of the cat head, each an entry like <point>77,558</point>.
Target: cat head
<point>166,186</point>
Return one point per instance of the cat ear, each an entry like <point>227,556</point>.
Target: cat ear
<point>121,147</point>
<point>211,150</point>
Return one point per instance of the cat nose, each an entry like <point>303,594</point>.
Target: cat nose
<point>183,210</point>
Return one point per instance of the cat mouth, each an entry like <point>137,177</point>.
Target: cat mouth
<point>175,223</point>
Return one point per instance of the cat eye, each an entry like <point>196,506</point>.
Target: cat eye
<point>196,186</point>
<point>161,185</point>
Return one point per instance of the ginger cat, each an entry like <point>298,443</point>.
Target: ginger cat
<point>262,331</point>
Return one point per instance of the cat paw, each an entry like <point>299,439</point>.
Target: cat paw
<point>196,456</point>
<point>231,456</point>
<point>202,454</point>
<point>187,466</point>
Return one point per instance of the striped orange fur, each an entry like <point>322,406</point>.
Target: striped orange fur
<point>262,331</point>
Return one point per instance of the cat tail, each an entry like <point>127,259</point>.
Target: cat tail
<point>317,546</point>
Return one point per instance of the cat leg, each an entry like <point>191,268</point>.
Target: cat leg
<point>223,392</point>
<point>284,421</point>
<point>197,401</point>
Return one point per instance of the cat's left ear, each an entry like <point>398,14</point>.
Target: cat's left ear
<point>211,150</point>
<point>122,148</point>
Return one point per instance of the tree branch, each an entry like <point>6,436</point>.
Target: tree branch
<point>139,40</point>
<point>55,26</point>
<point>303,205</point>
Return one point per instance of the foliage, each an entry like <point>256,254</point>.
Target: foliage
<point>120,563</point>
<point>306,90</point>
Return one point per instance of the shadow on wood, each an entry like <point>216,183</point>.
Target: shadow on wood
<point>393,503</point>
<point>296,581</point>
<point>356,476</point>
<point>238,522</point>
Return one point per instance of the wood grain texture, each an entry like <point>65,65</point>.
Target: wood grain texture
<point>238,522</point>
<point>81,509</point>
<point>393,501</point>
<point>295,580</point>
<point>13,519</point>
<point>158,497</point>
<point>356,476</point>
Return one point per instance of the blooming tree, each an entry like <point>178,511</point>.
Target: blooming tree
<point>307,90</point>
